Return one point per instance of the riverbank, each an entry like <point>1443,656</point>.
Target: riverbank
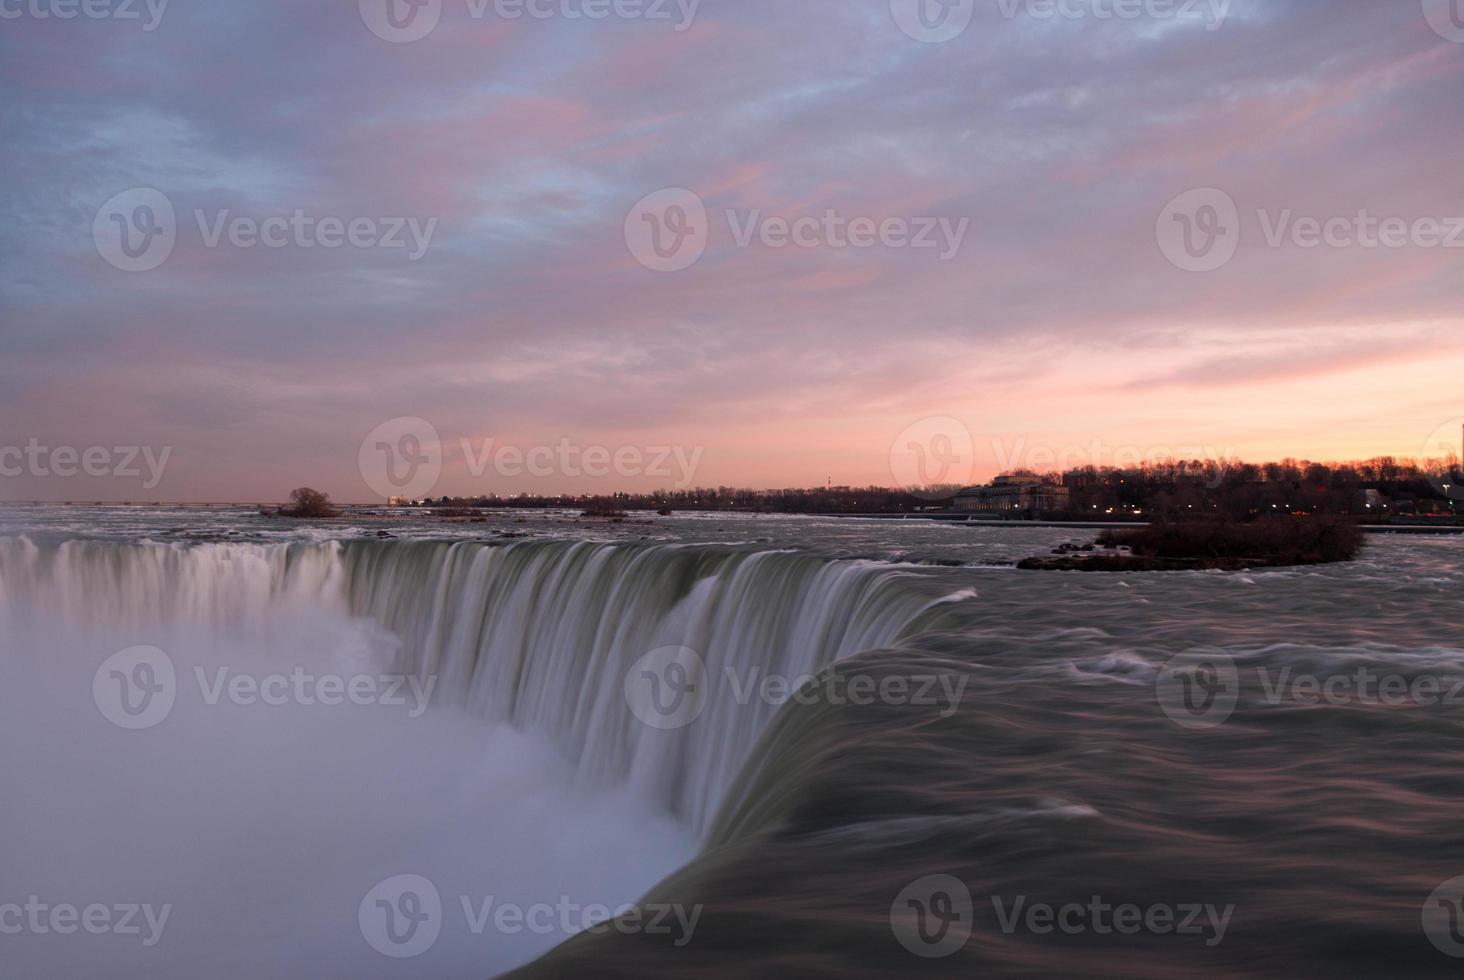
<point>966,519</point>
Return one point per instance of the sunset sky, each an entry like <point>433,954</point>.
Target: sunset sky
<point>1060,322</point>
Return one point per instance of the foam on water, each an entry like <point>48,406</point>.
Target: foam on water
<point>264,827</point>
<point>531,780</point>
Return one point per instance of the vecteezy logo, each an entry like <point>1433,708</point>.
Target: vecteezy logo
<point>1444,449</point>
<point>932,916</point>
<point>401,458</point>
<point>1199,231</point>
<point>401,21</point>
<point>135,688</point>
<point>402,916</point>
<point>667,688</point>
<point>136,230</point>
<point>1443,917</point>
<point>1198,689</point>
<point>931,453</point>
<point>1447,18</point>
<point>668,231</point>
<point>933,21</point>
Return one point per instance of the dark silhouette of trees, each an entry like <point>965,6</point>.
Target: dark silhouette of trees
<point>1161,490</point>
<point>307,502</point>
<point>1268,540</point>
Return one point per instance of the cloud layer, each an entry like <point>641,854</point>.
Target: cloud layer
<point>1060,320</point>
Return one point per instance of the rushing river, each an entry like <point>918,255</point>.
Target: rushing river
<point>394,747</point>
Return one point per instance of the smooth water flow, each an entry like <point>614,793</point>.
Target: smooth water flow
<point>345,712</point>
<point>539,635</point>
<point>544,636</point>
<point>516,768</point>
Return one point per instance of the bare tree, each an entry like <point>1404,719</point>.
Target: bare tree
<point>307,502</point>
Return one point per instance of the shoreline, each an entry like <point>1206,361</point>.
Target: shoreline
<point>359,511</point>
<point>1104,525</point>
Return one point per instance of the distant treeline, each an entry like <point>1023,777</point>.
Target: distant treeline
<point>835,500</point>
<point>1233,489</point>
<point>1240,490</point>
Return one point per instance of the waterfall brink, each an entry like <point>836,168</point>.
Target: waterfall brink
<point>543,634</point>
<point>538,634</point>
<point>107,583</point>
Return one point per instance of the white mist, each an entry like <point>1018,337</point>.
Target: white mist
<point>261,828</point>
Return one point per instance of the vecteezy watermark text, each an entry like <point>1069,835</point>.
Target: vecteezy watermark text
<point>1101,918</point>
<point>137,688</point>
<point>39,918</point>
<point>137,231</point>
<point>670,687</point>
<point>934,916</point>
<point>300,229</point>
<point>943,691</point>
<point>65,462</point>
<point>403,916</point>
<point>833,230</point>
<point>404,457</point>
<point>1201,689</point>
<point>939,21</point>
<point>1213,13</point>
<point>669,231</point>
<point>565,458</point>
<point>150,12</point>
<point>405,21</point>
<point>1019,454</point>
<point>305,688</point>
<point>1202,230</point>
<point>1359,686</point>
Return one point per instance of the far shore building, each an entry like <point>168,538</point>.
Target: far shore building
<point>1014,497</point>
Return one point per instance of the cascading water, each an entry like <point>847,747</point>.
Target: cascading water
<point>94,582</point>
<point>531,774</point>
<point>543,635</point>
<point>540,635</point>
<point>1052,772</point>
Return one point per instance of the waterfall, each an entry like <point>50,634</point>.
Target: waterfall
<point>537,634</point>
<point>84,582</point>
<point>543,634</point>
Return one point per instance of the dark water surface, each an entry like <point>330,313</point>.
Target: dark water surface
<point>984,772</point>
<point>1323,818</point>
